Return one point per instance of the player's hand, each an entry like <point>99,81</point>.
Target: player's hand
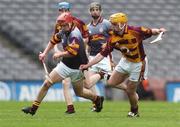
<point>162,30</point>
<point>83,67</point>
<point>57,55</point>
<point>103,45</point>
<point>42,56</point>
<point>113,65</point>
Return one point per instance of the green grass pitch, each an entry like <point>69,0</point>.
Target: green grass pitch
<point>51,114</point>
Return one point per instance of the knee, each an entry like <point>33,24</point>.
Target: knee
<point>65,82</point>
<point>87,85</point>
<point>110,83</point>
<point>79,93</point>
<point>131,90</point>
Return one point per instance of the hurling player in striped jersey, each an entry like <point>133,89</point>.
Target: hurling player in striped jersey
<point>73,55</point>
<point>63,8</point>
<point>133,65</point>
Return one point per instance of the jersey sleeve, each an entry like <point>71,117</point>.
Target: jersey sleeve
<point>108,24</point>
<point>82,27</point>
<point>107,49</point>
<point>54,38</point>
<point>145,32</point>
<point>57,28</point>
<point>85,32</point>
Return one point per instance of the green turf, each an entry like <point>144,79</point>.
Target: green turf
<point>51,114</point>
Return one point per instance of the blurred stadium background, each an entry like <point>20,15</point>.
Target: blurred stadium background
<point>26,27</point>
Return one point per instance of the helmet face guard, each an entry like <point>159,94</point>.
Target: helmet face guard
<point>65,20</point>
<point>119,22</point>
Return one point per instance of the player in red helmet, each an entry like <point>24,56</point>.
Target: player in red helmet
<point>73,55</point>
<point>65,7</point>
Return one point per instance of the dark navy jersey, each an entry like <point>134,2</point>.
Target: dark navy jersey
<point>73,43</point>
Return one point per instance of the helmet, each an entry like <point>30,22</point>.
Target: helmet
<point>64,5</point>
<point>95,5</point>
<point>118,18</point>
<point>65,18</point>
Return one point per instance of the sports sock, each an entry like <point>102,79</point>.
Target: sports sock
<point>35,105</point>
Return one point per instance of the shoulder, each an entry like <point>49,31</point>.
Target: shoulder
<point>89,24</point>
<point>106,21</point>
<point>78,20</point>
<point>114,39</point>
<point>139,28</point>
<point>134,27</point>
<point>75,33</point>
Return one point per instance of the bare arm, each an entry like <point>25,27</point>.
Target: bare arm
<point>45,52</point>
<point>48,48</point>
<point>62,54</point>
<point>156,31</point>
<point>86,40</point>
<point>95,60</point>
<point>65,54</point>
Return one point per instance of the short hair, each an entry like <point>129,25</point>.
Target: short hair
<point>95,5</point>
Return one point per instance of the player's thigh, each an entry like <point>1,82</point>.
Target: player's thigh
<point>88,74</point>
<point>55,77</point>
<point>78,86</point>
<point>66,81</point>
<point>116,78</point>
<point>93,75</point>
<point>139,71</point>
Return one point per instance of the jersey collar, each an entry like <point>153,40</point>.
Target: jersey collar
<point>99,21</point>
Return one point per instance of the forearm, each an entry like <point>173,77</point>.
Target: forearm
<point>87,50</point>
<point>48,48</point>
<point>95,60</point>
<point>156,31</point>
<point>86,40</point>
<point>65,54</point>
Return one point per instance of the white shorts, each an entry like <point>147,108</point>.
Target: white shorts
<point>132,69</point>
<point>104,65</point>
<point>65,72</point>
